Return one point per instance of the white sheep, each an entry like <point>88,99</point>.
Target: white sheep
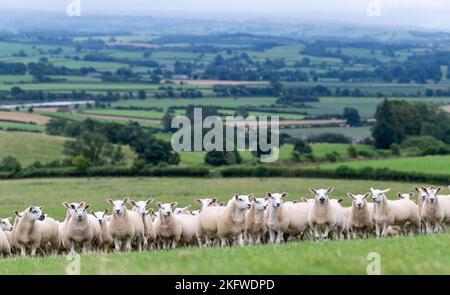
<point>277,217</point>
<point>33,231</point>
<point>107,239</point>
<point>255,221</point>
<point>7,228</point>
<point>231,221</point>
<point>435,210</point>
<point>393,212</point>
<point>168,227</point>
<point>149,231</point>
<point>298,212</point>
<point>190,224</point>
<point>126,226</point>
<point>82,230</point>
<point>326,215</point>
<point>5,248</point>
<point>360,222</point>
<point>207,229</point>
<point>184,210</point>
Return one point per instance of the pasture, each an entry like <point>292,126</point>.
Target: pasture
<point>333,257</point>
<point>427,164</point>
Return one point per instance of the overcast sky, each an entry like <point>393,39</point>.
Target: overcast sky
<point>425,13</point>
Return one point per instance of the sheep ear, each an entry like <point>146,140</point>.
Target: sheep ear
<point>313,191</point>
<point>188,207</point>
<point>87,206</point>
<point>386,190</point>
<point>173,205</point>
<point>66,205</point>
<point>149,201</point>
<point>198,201</point>
<point>133,202</point>
<point>350,195</point>
<point>93,213</point>
<point>366,195</point>
<point>304,200</point>
<point>105,211</point>
<point>17,213</point>
<point>110,201</point>
<point>82,204</point>
<point>340,200</point>
<point>252,199</point>
<point>158,204</point>
<point>72,206</point>
<point>284,195</point>
<point>125,200</point>
<point>213,200</point>
<point>438,189</point>
<point>221,204</point>
<point>372,189</point>
<point>330,189</point>
<point>399,195</point>
<point>417,188</point>
<point>295,201</point>
<point>235,195</point>
<point>269,195</point>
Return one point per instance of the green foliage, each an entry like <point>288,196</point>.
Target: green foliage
<point>352,117</point>
<point>92,146</point>
<point>219,158</point>
<point>302,150</point>
<point>80,163</point>
<point>10,164</point>
<point>352,151</point>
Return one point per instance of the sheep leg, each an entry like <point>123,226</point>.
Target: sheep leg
<point>377,230</point>
<point>223,242</point>
<point>326,231</point>
<point>86,247</point>
<point>240,240</point>
<point>258,239</point>
<point>23,251</point>
<point>117,245</point>
<point>174,244</point>
<point>384,232</point>
<point>427,228</point>
<point>128,245</point>
<point>272,236</point>
<point>279,237</point>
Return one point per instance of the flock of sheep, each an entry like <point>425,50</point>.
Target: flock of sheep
<point>245,219</point>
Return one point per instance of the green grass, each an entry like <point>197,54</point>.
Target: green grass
<point>31,147</point>
<point>428,164</point>
<point>127,113</point>
<point>22,126</point>
<point>354,131</point>
<point>410,255</point>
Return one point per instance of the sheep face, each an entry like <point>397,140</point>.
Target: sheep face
<point>166,209</point>
<point>321,195</point>
<point>260,204</point>
<point>379,195</point>
<point>406,196</point>
<point>5,225</point>
<point>359,201</point>
<point>69,207</point>
<point>242,201</point>
<point>35,213</point>
<point>185,210</point>
<point>205,203</point>
<point>195,212</point>
<point>80,211</point>
<point>100,215</point>
<point>276,199</point>
<point>422,192</point>
<point>141,206</point>
<point>118,206</point>
<point>432,194</point>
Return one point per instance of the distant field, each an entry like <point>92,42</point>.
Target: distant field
<point>427,164</point>
<point>23,117</point>
<point>126,113</point>
<point>353,131</point>
<point>31,147</point>
<point>22,126</point>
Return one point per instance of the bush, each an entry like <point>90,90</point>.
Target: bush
<point>332,157</point>
<point>301,149</point>
<point>10,164</point>
<point>366,153</point>
<point>352,151</point>
<point>219,158</point>
<point>330,138</point>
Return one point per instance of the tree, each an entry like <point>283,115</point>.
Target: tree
<point>142,94</point>
<point>352,117</point>
<point>80,163</point>
<point>219,158</point>
<point>166,122</point>
<point>352,152</point>
<point>154,151</point>
<point>10,164</point>
<point>93,146</point>
<point>301,150</point>
<point>118,156</point>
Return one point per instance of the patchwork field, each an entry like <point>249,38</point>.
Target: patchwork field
<point>428,164</point>
<point>334,257</point>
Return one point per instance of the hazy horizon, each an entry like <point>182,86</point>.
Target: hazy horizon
<point>425,14</point>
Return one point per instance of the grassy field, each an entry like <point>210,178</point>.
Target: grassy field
<point>428,164</point>
<point>334,257</point>
<point>31,147</point>
<point>22,126</point>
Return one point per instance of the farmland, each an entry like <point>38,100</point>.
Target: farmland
<point>336,257</point>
